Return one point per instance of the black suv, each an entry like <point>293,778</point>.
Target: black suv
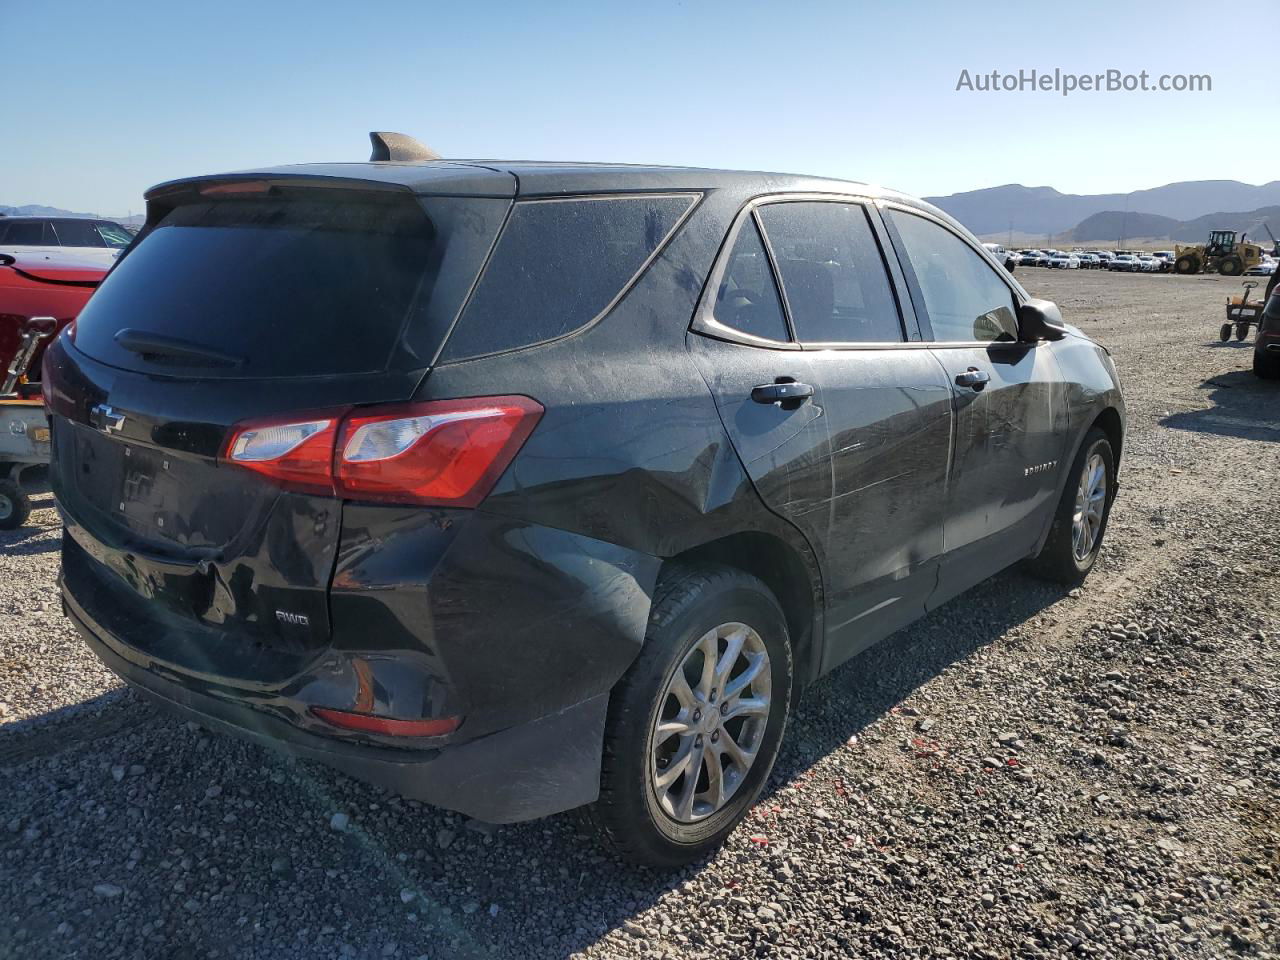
<point>516,487</point>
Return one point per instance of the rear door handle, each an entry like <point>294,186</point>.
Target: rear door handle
<point>782,392</point>
<point>974,378</point>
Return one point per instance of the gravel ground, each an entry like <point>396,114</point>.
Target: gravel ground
<point>1025,773</point>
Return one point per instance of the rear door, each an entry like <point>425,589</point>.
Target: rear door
<point>240,302</point>
<point>1010,410</point>
<point>764,385</point>
<point>888,411</point>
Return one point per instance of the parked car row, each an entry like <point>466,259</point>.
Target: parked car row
<point>1123,261</point>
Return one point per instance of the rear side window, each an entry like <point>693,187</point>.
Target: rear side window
<point>77,233</point>
<point>748,299</point>
<point>832,272</point>
<point>560,264</point>
<point>38,234</point>
<point>312,282</point>
<point>963,295</point>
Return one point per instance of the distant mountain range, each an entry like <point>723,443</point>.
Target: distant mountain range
<point>39,210</point>
<point>1043,210</point>
<point>1111,226</point>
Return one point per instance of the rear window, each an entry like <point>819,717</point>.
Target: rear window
<point>308,283</point>
<point>559,265</point>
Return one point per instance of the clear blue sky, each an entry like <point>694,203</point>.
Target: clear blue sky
<point>99,100</point>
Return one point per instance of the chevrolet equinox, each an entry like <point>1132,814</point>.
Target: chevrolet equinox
<point>519,487</point>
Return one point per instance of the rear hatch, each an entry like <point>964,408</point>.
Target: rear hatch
<point>242,300</point>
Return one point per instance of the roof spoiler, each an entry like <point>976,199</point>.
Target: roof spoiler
<point>398,146</point>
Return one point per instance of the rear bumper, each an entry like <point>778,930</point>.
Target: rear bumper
<point>532,770</point>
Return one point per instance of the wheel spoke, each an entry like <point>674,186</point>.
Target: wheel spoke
<point>710,647</point>
<point>684,803</point>
<point>680,762</point>
<point>747,707</point>
<point>733,647</point>
<point>734,751</point>
<point>679,724</point>
<point>746,678</point>
<point>681,690</point>
<point>714,793</point>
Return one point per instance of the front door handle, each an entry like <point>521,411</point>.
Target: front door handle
<point>785,393</point>
<point>974,378</point>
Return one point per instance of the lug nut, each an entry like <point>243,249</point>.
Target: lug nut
<point>697,742</point>
<point>724,708</point>
<point>715,736</point>
<point>697,715</point>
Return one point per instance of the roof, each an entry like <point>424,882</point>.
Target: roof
<point>529,178</point>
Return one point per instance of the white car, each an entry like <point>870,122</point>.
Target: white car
<point>1065,261</point>
<point>1150,264</point>
<point>1264,269</point>
<point>1009,258</point>
<point>63,239</point>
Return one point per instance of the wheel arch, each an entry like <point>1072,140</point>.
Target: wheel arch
<point>791,575</point>
<point>1109,422</point>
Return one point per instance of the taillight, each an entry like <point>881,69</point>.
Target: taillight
<point>439,452</point>
<point>442,452</point>
<point>296,454</point>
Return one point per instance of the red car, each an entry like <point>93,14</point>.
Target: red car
<point>31,288</point>
<point>38,288</point>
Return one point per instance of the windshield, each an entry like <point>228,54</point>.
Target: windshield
<point>113,235</point>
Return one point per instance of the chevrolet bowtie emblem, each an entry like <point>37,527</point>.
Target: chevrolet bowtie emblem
<point>105,418</point>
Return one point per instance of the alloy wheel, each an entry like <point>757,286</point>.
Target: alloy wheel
<point>1091,503</point>
<point>711,722</point>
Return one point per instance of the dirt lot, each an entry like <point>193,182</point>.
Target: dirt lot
<point>1025,773</point>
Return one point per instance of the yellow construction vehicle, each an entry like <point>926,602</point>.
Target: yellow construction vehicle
<point>1222,254</point>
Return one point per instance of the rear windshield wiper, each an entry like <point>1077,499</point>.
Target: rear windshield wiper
<point>155,345</point>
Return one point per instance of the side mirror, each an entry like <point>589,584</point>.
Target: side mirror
<point>1040,320</point>
<point>6,260</point>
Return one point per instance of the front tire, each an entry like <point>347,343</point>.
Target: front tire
<point>692,736</point>
<point>1230,266</point>
<point>1080,521</point>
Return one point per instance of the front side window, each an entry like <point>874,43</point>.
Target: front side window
<point>964,297</point>
<point>748,299</point>
<point>77,233</point>
<point>832,272</point>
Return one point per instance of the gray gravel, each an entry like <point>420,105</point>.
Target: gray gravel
<point>1025,773</point>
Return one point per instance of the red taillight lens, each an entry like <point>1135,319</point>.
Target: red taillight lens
<point>296,453</point>
<point>439,453</point>
<point>387,726</point>
<point>442,452</point>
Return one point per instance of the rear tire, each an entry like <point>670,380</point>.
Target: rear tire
<point>1187,263</point>
<point>1061,560</point>
<point>1265,366</point>
<point>1225,333</point>
<point>1242,331</point>
<point>638,815</point>
<point>15,506</point>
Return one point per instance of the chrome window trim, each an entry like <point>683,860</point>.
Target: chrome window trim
<point>704,321</point>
